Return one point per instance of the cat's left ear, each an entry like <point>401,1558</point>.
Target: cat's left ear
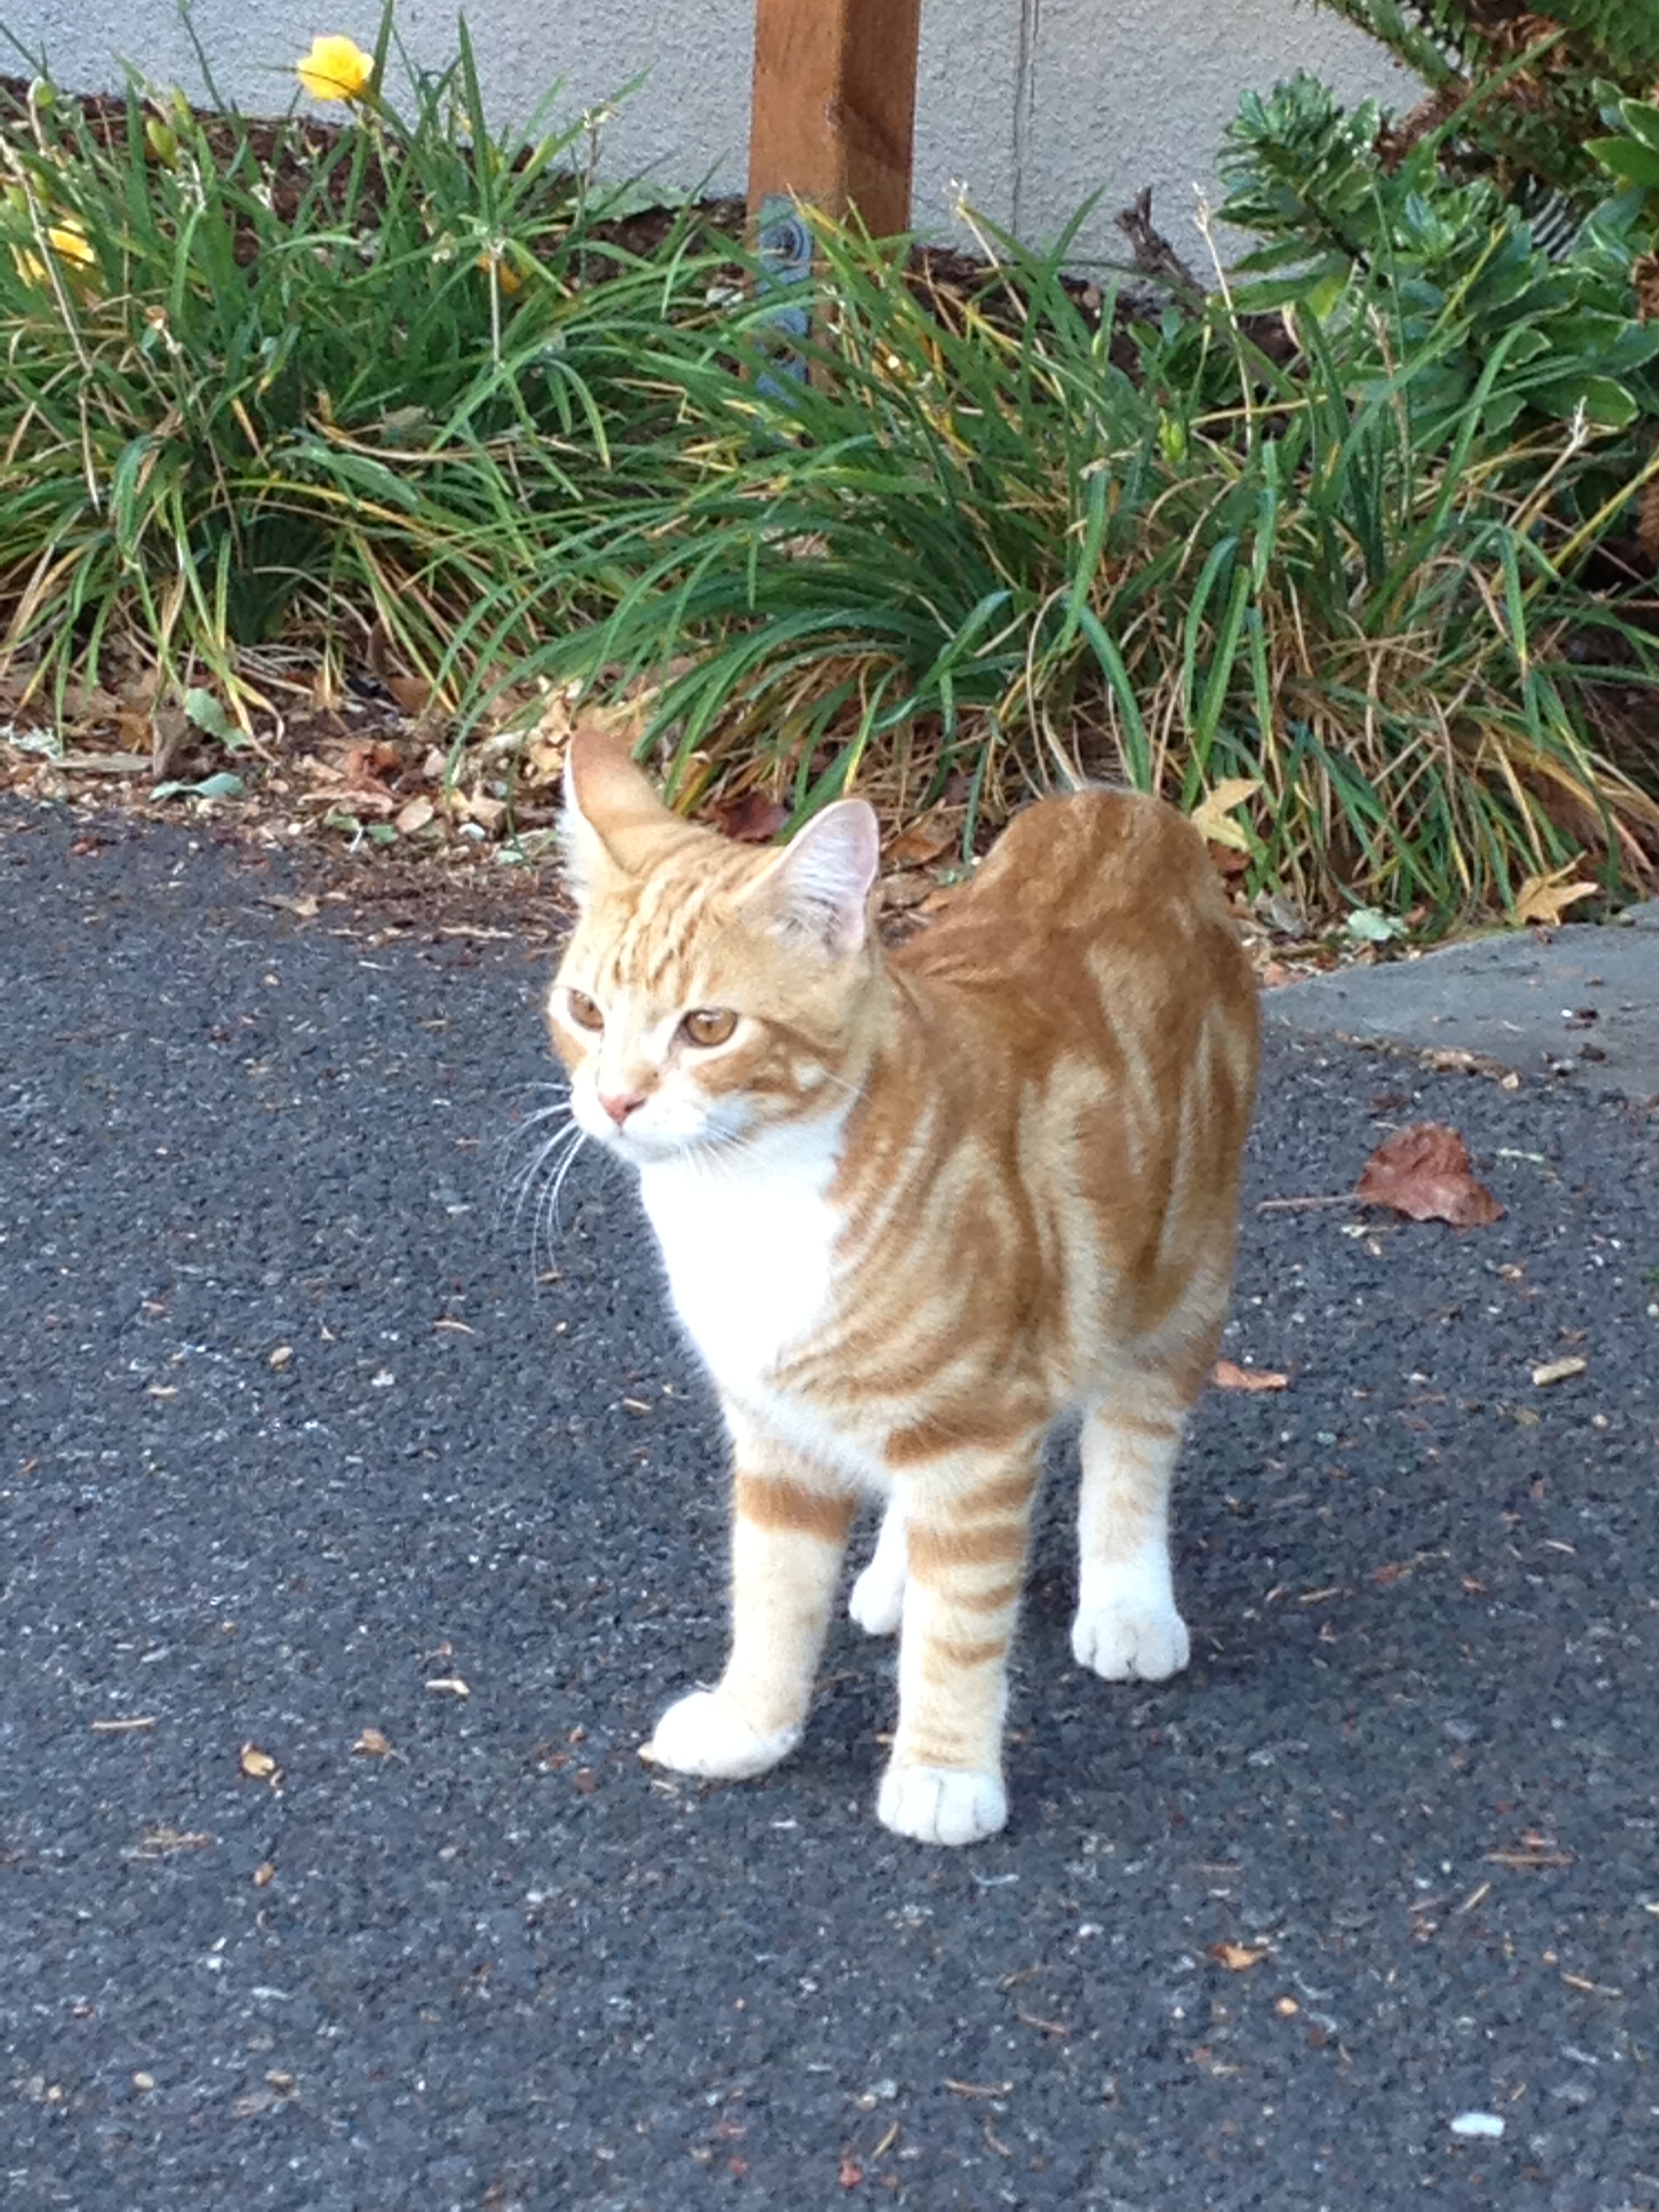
<point>818,888</point>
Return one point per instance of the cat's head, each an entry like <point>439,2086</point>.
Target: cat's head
<point>711,990</point>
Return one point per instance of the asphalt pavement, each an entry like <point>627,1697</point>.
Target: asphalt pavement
<point>352,1544</point>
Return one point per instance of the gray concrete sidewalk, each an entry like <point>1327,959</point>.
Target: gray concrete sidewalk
<point>1582,1000</point>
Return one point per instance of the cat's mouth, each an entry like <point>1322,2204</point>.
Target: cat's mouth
<point>644,1140</point>
<point>639,1144</point>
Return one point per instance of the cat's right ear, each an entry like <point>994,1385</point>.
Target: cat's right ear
<point>611,812</point>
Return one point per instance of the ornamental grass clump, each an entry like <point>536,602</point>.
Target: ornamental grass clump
<point>287,380</point>
<point>991,544</point>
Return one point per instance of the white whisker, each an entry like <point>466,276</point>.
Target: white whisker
<point>553,1138</point>
<point>561,1110</point>
<point>564,1168</point>
<point>517,1176</point>
<point>524,1180</point>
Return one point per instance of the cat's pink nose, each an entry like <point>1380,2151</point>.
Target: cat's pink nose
<point>619,1104</point>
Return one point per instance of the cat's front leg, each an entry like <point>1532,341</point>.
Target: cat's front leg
<point>965,1526</point>
<point>789,1523</point>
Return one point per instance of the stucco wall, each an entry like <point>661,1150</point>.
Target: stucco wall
<point>1034,104</point>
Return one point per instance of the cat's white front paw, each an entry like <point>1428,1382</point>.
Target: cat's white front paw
<point>877,1603</point>
<point>1126,1642</point>
<point>941,1804</point>
<point>704,1733</point>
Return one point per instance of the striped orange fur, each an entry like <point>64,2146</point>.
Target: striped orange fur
<point>914,1207</point>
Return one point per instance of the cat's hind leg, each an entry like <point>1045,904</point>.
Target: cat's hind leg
<point>1127,1627</point>
<point>789,1524</point>
<point>877,1602</point>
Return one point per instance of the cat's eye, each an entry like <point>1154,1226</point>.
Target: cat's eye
<point>583,1012</point>
<point>709,1025</point>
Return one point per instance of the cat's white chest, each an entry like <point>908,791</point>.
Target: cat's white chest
<point>750,1249</point>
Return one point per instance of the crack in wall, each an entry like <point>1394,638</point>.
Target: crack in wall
<point>1030,15</point>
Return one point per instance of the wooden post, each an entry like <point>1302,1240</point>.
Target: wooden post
<point>834,108</point>
<point>830,122</point>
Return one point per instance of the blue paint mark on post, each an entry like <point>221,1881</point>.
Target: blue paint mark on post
<point>786,254</point>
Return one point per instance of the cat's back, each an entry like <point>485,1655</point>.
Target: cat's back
<point>1081,1030</point>
<point>1112,882</point>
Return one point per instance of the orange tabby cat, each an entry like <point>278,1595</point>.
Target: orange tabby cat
<point>914,1205</point>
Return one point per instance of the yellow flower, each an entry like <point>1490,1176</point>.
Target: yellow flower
<point>335,69</point>
<point>67,242</point>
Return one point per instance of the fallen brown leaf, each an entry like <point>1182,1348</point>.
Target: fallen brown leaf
<point>1212,817</point>
<point>169,732</point>
<point>901,893</point>
<point>1558,1371</point>
<point>258,1766</point>
<point>1545,899</point>
<point>372,1744</point>
<point>1423,1172</point>
<point>751,817</point>
<point>1238,1958</point>
<point>416,816</point>
<point>412,693</point>
<point>923,841</point>
<point>543,761</point>
<point>556,720</point>
<point>360,765</point>
<point>1227,1377</point>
